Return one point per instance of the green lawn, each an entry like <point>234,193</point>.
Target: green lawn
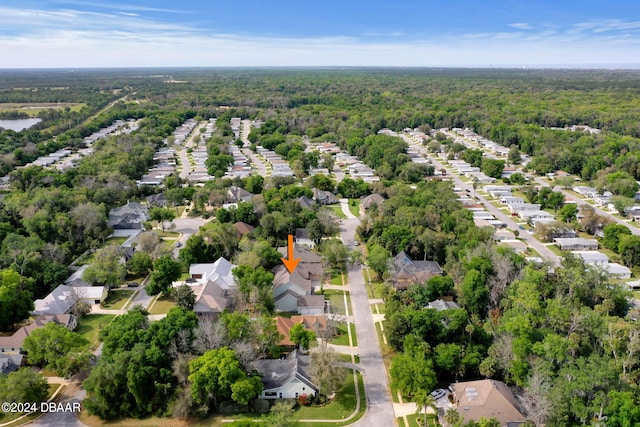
<point>342,337</point>
<point>376,289</point>
<point>337,301</point>
<point>341,407</point>
<point>162,305</point>
<point>116,240</point>
<point>354,207</point>
<point>337,211</point>
<point>90,325</point>
<point>432,420</point>
<point>336,279</point>
<point>116,299</point>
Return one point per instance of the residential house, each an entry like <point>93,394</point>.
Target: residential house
<point>317,324</point>
<point>293,293</point>
<point>62,299</point>
<point>370,200</point>
<point>576,244</point>
<point>213,285</point>
<point>592,257</point>
<point>243,228</point>
<point>408,272</point>
<point>11,347</point>
<point>521,207</point>
<point>486,399</point>
<point>617,271</point>
<point>442,305</point>
<point>286,378</point>
<point>305,202</point>
<point>130,216</point>
<point>237,194</point>
<point>500,235</point>
<point>302,238</point>
<point>324,197</point>
<point>518,246</point>
<point>159,199</point>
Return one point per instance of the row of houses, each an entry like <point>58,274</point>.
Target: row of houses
<point>66,158</point>
<point>184,130</point>
<point>164,166</point>
<point>279,166</point>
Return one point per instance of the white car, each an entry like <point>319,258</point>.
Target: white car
<point>438,393</point>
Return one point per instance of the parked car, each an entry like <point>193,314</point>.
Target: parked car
<point>438,393</point>
<point>178,244</point>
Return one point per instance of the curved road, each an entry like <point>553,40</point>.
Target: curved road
<point>379,405</point>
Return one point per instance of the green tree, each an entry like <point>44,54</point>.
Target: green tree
<point>23,385</point>
<point>622,410</point>
<point>492,167</point>
<point>629,250</point>
<point>106,268</point>
<point>213,375</point>
<point>281,415</point>
<point>569,212</point>
<point>412,370</point>
<point>474,293</point>
<point>612,234</point>
<point>335,253</point>
<point>140,263</point>
<point>16,300</point>
<point>165,271</point>
<point>57,348</point>
<point>424,400</point>
<point>301,336</point>
<point>184,297</point>
<point>162,216</point>
<point>377,258</point>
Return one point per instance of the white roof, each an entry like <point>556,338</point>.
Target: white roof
<point>591,255</point>
<point>616,269</point>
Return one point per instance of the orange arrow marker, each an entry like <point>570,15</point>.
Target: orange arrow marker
<point>290,263</point>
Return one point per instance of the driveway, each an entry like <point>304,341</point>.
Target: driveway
<point>379,406</point>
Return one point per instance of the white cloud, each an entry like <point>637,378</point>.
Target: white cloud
<point>72,38</point>
<point>521,26</point>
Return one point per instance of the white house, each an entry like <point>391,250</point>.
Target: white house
<point>616,270</point>
<point>286,378</point>
<point>63,298</point>
<point>592,257</point>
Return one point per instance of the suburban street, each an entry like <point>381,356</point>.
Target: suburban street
<point>379,405</point>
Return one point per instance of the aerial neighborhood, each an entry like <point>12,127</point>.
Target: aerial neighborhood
<point>228,251</point>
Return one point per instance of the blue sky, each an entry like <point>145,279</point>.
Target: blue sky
<point>476,33</point>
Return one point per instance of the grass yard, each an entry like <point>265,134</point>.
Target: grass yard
<point>116,299</point>
<point>376,290</point>
<point>341,407</point>
<point>342,337</point>
<point>337,301</point>
<point>162,305</point>
<point>337,211</point>
<point>336,279</point>
<point>354,207</point>
<point>116,240</point>
<point>90,325</point>
<point>432,420</point>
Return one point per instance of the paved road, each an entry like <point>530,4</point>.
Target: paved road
<point>379,405</point>
<point>62,419</point>
<point>531,241</point>
<point>572,197</point>
<point>182,151</point>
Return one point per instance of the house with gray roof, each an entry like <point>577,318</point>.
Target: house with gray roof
<point>286,378</point>
<point>62,299</point>
<point>213,285</point>
<point>408,272</point>
<point>130,216</point>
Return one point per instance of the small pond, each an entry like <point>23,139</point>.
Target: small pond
<point>19,124</point>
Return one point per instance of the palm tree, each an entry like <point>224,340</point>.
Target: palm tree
<point>452,417</point>
<point>423,401</point>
